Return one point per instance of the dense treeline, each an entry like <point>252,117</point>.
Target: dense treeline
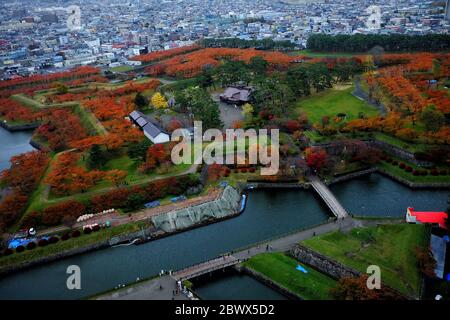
<point>365,42</point>
<point>264,44</point>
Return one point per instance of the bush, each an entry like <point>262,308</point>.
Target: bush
<point>31,245</point>
<point>443,172</point>
<point>416,173</point>
<point>96,228</point>
<point>434,172</point>
<point>252,170</point>
<point>20,249</point>
<point>7,252</point>
<point>389,160</point>
<point>87,230</point>
<point>65,236</point>
<point>76,234</point>
<point>244,170</point>
<point>53,239</point>
<point>424,173</point>
<point>42,243</point>
<point>408,169</point>
<point>402,165</point>
<point>395,162</point>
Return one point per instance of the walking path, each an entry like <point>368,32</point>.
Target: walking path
<point>328,197</point>
<point>361,94</point>
<point>150,289</point>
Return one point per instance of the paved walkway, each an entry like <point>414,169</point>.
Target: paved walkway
<point>328,197</point>
<point>361,94</point>
<point>161,288</point>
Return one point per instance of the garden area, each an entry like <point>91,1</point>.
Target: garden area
<point>391,247</point>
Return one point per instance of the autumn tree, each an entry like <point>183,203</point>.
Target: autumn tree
<point>117,177</point>
<point>350,288</point>
<point>316,158</point>
<point>159,101</point>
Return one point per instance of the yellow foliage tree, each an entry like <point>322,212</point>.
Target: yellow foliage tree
<point>159,102</point>
<point>247,110</point>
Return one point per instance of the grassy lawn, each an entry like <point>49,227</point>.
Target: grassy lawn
<point>282,269</point>
<point>61,246</point>
<point>332,102</point>
<point>391,247</point>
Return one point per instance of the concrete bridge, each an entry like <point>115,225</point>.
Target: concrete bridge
<point>205,267</point>
<point>328,197</point>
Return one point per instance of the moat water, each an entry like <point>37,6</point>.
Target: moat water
<point>269,213</point>
<point>13,143</point>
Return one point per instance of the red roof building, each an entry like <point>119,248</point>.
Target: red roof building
<point>435,218</point>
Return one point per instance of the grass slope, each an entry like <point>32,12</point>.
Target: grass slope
<point>391,247</point>
<point>282,269</point>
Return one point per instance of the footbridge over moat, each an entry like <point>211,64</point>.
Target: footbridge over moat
<point>205,267</point>
<point>328,197</point>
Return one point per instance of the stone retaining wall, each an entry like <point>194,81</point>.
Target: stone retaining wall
<point>331,267</point>
<point>18,127</point>
<point>227,205</point>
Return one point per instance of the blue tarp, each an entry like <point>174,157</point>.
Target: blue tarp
<point>179,198</point>
<point>14,243</point>
<point>152,204</point>
<point>223,184</point>
<point>301,268</point>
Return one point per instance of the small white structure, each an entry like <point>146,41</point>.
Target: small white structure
<point>151,131</point>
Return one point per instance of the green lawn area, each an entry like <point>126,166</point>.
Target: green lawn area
<point>282,269</point>
<point>61,246</point>
<point>332,102</point>
<point>391,247</point>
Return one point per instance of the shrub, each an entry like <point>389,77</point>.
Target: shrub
<point>244,170</point>
<point>434,172</point>
<point>416,173</point>
<point>443,172</point>
<point>31,245</point>
<point>20,249</point>
<point>408,169</point>
<point>424,173</point>
<point>7,252</point>
<point>76,234</point>
<point>53,239</point>
<point>389,160</point>
<point>395,162</point>
<point>87,230</point>
<point>42,243</point>
<point>65,236</point>
<point>96,228</point>
<point>402,165</point>
<point>252,170</point>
